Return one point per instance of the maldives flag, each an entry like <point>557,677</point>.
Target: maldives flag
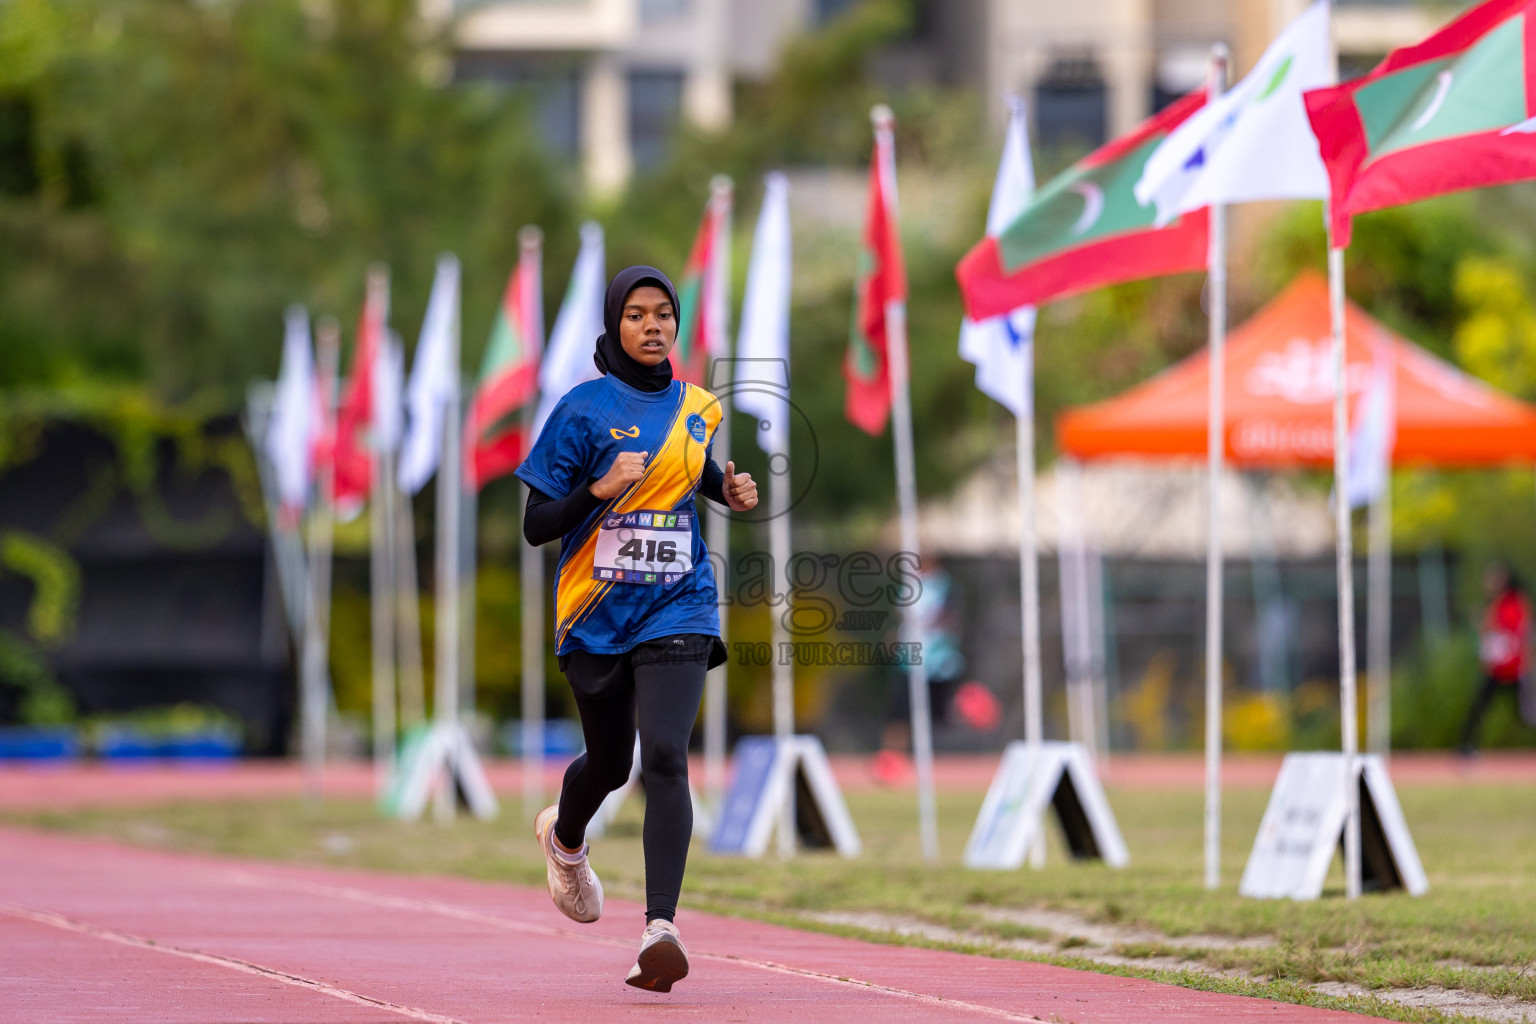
<point>701,322</point>
<point>882,281</point>
<point>1457,111</point>
<point>353,460</point>
<point>509,375</point>
<point>1085,229</point>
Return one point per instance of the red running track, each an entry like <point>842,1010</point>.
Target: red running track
<point>92,931</point>
<point>45,786</point>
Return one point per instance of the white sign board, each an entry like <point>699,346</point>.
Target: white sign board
<point>703,821</point>
<point>1303,826</point>
<point>769,771</point>
<point>428,752</point>
<point>1028,782</point>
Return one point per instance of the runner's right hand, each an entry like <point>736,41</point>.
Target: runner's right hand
<point>626,469</point>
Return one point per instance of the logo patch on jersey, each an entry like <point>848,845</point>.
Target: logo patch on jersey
<point>696,427</point>
<point>631,432</point>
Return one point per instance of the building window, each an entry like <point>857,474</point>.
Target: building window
<point>655,106</point>
<point>1071,104</point>
<point>552,91</point>
<point>663,10</point>
<point>1180,71</point>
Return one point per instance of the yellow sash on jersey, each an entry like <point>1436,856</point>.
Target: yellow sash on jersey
<point>671,474</point>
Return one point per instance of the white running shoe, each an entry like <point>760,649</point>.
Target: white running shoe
<point>572,884</point>
<point>662,960</point>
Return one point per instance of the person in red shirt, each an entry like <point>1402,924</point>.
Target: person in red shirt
<point>1503,646</point>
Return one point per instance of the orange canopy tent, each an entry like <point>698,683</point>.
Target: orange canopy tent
<point>1279,407</point>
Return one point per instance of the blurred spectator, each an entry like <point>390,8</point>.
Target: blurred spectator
<point>937,617</point>
<point>1504,646</point>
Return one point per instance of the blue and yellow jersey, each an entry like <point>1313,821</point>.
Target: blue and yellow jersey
<point>637,568</point>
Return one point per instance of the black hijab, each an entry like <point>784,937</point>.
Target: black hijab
<point>610,356</point>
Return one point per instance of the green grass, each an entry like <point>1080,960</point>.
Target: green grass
<point>1475,929</point>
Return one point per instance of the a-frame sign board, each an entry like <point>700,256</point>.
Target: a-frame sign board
<point>427,752</point>
<point>1028,783</point>
<point>1304,824</point>
<point>768,771</point>
<point>703,821</point>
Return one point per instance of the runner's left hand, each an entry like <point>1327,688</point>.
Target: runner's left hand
<point>740,489</point>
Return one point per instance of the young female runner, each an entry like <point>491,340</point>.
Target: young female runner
<point>613,475</point>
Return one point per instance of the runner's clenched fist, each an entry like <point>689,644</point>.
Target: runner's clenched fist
<point>626,469</point>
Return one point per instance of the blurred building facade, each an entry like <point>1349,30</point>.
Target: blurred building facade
<point>1110,63</point>
<point>611,80</point>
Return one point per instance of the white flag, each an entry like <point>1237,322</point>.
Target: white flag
<point>1373,436</point>
<point>295,422</point>
<point>762,349</point>
<point>573,341</point>
<point>1256,141</point>
<point>434,378</point>
<point>388,388</point>
<point>1002,347</point>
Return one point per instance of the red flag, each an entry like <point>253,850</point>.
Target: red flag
<point>882,280</point>
<point>354,417</point>
<point>702,294</point>
<point>497,440</point>
<point>1085,229</point>
<point>1457,111</point>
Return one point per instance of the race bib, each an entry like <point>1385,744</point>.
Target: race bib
<point>644,547</point>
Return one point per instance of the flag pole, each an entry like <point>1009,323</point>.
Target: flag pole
<point>719,527</point>
<point>1074,596</point>
<point>1343,548</point>
<point>287,543</point>
<point>1215,454</point>
<point>783,648</point>
<point>1378,717</point>
<point>531,575</point>
<point>1346,579</point>
<point>381,531</point>
<point>408,613</point>
<point>1071,573</point>
<point>906,498</point>
<point>1029,564</point>
<point>469,519</point>
<point>1076,630</point>
<point>317,621</point>
<point>446,626</point>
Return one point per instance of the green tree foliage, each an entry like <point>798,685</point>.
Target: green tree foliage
<point>179,172</point>
<point>1497,339</point>
<point>1401,266</point>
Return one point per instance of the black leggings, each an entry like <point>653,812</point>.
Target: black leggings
<point>1490,690</point>
<point>659,683</point>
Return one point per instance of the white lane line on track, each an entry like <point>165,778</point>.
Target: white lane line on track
<point>367,896</point>
<point>219,960</point>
